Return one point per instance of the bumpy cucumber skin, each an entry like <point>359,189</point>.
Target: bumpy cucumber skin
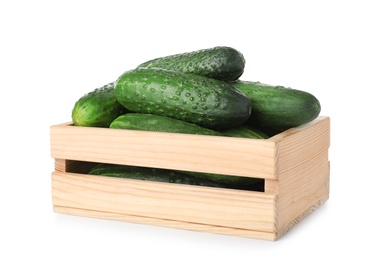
<point>173,176</point>
<point>278,107</point>
<point>245,132</point>
<point>221,62</point>
<point>97,108</point>
<point>192,98</point>
<point>156,123</point>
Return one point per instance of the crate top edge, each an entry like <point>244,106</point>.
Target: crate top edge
<point>68,126</point>
<point>294,130</point>
<point>270,141</point>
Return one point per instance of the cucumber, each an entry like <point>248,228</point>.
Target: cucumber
<point>149,174</point>
<point>230,181</point>
<point>278,107</point>
<point>175,176</point>
<point>150,122</point>
<point>192,98</point>
<point>245,132</point>
<point>221,62</point>
<point>97,108</point>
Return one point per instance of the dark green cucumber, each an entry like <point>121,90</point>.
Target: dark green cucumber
<point>97,108</point>
<point>245,132</point>
<point>230,181</point>
<point>156,123</point>
<point>174,176</point>
<point>149,174</point>
<point>192,98</point>
<point>222,63</point>
<point>278,107</point>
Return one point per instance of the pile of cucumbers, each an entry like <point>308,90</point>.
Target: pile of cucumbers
<point>197,92</point>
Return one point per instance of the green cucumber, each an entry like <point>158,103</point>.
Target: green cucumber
<point>149,174</point>
<point>230,181</point>
<point>278,107</point>
<point>221,62</point>
<point>97,108</point>
<point>192,98</point>
<point>175,176</point>
<point>245,132</point>
<point>150,122</point>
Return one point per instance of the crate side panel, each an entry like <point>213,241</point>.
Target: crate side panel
<point>212,154</point>
<point>302,189</point>
<point>320,120</point>
<point>167,223</point>
<point>186,203</point>
<point>303,166</point>
<point>301,143</point>
<point>303,169</point>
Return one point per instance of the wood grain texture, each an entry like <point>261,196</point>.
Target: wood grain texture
<point>294,165</point>
<point>304,170</point>
<point>186,203</point>
<point>246,157</point>
<point>167,223</point>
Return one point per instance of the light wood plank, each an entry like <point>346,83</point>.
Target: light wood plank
<point>301,189</point>
<point>303,171</point>
<point>211,154</point>
<point>168,223</point>
<point>186,203</point>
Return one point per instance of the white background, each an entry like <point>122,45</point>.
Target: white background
<point>53,52</point>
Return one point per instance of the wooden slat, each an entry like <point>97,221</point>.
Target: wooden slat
<point>186,203</point>
<point>211,154</point>
<point>302,189</point>
<point>301,144</point>
<point>167,223</point>
<point>303,171</point>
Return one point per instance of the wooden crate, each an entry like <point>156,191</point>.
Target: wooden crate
<point>294,166</point>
